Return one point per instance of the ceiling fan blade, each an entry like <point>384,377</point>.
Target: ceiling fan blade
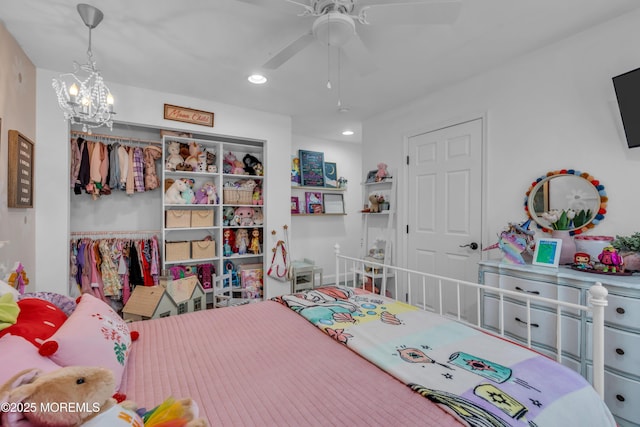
<point>411,13</point>
<point>288,52</point>
<point>359,56</point>
<point>293,7</point>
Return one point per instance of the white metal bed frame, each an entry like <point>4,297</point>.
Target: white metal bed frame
<point>354,268</point>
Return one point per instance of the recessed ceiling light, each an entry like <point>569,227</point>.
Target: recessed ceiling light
<point>257,79</point>
<point>347,132</point>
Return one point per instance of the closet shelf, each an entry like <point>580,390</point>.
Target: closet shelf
<point>190,228</point>
<point>190,260</point>
<point>238,176</point>
<point>189,173</point>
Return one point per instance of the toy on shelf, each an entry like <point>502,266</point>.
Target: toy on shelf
<point>242,241</point>
<point>232,165</point>
<point>229,239</point>
<point>582,261</point>
<point>611,259</point>
<point>243,216</point>
<point>515,241</point>
<point>174,158</point>
<point>255,241</point>
<point>382,173</point>
<point>207,194</point>
<point>173,195</point>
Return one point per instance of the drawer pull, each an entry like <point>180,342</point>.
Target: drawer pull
<point>533,325</point>
<point>620,351</point>
<point>620,397</point>
<point>620,310</point>
<point>518,288</point>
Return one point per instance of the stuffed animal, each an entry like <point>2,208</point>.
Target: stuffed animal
<point>37,320</point>
<point>258,217</point>
<point>211,160</point>
<point>173,195</point>
<point>252,165</point>
<point>174,158</point>
<point>243,216</point>
<point>194,154</point>
<point>188,195</point>
<point>206,195</point>
<point>374,204</point>
<point>235,166</point>
<point>88,389</point>
<point>382,173</point>
<point>227,216</point>
<point>257,196</point>
<point>87,392</point>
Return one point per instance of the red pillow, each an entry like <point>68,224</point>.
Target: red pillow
<point>37,321</point>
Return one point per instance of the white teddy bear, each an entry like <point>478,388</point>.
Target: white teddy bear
<point>173,195</point>
<point>174,158</point>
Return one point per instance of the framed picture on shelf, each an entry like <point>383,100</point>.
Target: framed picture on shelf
<point>330,175</point>
<point>333,204</point>
<point>313,202</point>
<point>311,168</point>
<point>371,176</point>
<point>547,252</point>
<point>295,205</point>
<point>295,170</point>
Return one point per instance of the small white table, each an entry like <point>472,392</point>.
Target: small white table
<point>304,275</point>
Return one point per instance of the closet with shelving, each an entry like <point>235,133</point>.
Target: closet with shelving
<point>189,231</point>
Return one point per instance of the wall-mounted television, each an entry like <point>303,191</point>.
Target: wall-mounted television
<point>627,87</point>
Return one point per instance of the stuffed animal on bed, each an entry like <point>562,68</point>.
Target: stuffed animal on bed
<point>87,392</point>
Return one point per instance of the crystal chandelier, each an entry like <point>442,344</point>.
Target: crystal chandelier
<point>82,95</point>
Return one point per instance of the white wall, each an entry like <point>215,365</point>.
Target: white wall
<point>314,237</point>
<point>143,107</point>
<point>551,109</point>
<point>17,111</point>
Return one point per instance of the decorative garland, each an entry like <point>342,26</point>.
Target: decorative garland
<point>599,187</point>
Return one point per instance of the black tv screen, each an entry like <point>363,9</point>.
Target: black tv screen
<point>627,87</point>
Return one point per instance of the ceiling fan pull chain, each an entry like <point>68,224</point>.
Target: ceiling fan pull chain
<point>339,79</point>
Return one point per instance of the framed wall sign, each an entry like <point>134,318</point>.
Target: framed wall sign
<point>330,175</point>
<point>547,252</point>
<point>295,205</point>
<point>313,202</point>
<point>311,168</point>
<point>371,176</point>
<point>333,203</point>
<point>20,175</point>
<point>188,115</point>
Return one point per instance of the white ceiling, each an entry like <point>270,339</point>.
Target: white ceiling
<point>207,48</point>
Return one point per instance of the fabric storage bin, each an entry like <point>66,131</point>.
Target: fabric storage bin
<point>178,218</point>
<point>202,218</point>
<point>242,196</point>
<point>202,249</point>
<point>177,251</point>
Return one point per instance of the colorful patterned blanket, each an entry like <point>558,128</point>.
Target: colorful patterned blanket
<point>482,379</point>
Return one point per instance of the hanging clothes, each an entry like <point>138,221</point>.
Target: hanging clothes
<point>151,154</point>
<point>114,167</point>
<point>123,161</point>
<point>138,170</point>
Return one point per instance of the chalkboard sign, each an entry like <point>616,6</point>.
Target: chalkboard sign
<point>311,168</point>
<point>20,188</point>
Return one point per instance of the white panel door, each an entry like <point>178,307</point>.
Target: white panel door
<point>445,205</point>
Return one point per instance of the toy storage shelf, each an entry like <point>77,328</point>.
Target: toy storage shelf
<point>216,173</point>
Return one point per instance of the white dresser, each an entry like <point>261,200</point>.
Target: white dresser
<point>622,325</point>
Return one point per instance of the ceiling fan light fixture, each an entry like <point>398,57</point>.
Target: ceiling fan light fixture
<point>334,28</point>
<point>257,79</point>
<point>347,132</point>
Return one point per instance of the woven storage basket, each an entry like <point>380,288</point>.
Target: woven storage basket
<point>240,196</point>
<point>177,251</point>
<point>202,218</point>
<point>201,249</point>
<point>178,218</point>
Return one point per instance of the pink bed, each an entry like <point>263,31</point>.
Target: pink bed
<point>243,370</point>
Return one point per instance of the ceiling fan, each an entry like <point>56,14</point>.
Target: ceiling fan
<point>335,23</point>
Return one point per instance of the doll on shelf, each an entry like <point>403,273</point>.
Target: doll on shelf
<point>229,242</point>
<point>255,241</point>
<point>242,241</point>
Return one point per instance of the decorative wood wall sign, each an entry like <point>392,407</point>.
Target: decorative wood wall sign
<point>188,115</point>
<point>20,178</point>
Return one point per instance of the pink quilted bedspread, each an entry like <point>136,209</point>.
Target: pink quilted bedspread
<point>264,365</point>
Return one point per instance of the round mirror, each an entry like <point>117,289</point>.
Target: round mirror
<point>566,200</point>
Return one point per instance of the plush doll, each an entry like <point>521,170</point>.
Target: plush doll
<point>211,160</point>
<point>611,259</point>
<point>382,174</point>
<point>242,241</point>
<point>235,166</point>
<point>257,196</point>
<point>227,216</point>
<point>188,195</point>
<point>174,158</point>
<point>37,320</point>
<point>252,165</point>
<point>258,217</point>
<point>87,391</point>
<point>374,204</point>
<point>173,195</point>
<point>194,156</point>
<point>243,216</point>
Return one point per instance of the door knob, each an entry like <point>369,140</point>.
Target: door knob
<point>472,245</point>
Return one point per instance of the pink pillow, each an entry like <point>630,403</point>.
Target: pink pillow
<point>94,335</point>
<point>18,354</point>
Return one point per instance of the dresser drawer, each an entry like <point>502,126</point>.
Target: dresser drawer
<point>491,279</point>
<point>543,330</point>
<point>542,289</point>
<point>621,349</point>
<point>623,311</point>
<point>622,396</point>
